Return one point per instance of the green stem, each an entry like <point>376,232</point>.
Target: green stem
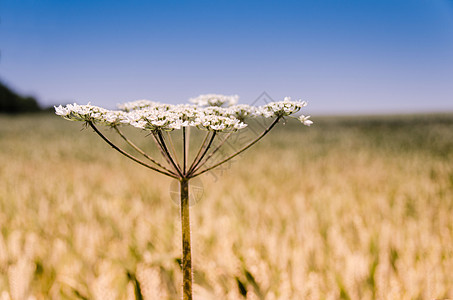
<point>186,247</point>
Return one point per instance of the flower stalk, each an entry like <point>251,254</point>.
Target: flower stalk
<point>186,242</point>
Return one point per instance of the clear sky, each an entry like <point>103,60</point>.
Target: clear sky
<point>343,56</point>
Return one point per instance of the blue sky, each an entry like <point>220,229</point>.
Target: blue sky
<point>344,56</point>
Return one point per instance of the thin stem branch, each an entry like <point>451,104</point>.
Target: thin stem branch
<point>186,242</point>
<point>199,150</point>
<point>161,148</point>
<point>184,150</point>
<point>141,151</point>
<point>173,150</point>
<point>164,147</point>
<point>204,153</point>
<point>212,153</point>
<point>240,151</point>
<point>127,154</point>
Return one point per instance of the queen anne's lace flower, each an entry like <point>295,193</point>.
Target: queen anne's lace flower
<point>62,111</point>
<point>208,114</point>
<point>215,100</point>
<point>283,108</point>
<point>305,120</point>
<point>138,104</point>
<point>242,111</point>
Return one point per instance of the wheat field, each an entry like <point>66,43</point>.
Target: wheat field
<point>350,208</point>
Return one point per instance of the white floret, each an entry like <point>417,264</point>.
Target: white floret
<point>215,100</point>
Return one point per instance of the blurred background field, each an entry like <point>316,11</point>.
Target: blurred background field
<point>351,208</point>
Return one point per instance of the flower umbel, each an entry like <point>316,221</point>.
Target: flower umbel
<point>208,114</point>
<point>215,100</point>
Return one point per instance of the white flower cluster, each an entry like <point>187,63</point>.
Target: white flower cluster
<point>76,112</point>
<point>138,104</point>
<point>283,108</point>
<point>170,117</point>
<point>151,115</point>
<point>215,100</point>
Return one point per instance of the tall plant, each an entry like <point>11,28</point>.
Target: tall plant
<point>218,115</point>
